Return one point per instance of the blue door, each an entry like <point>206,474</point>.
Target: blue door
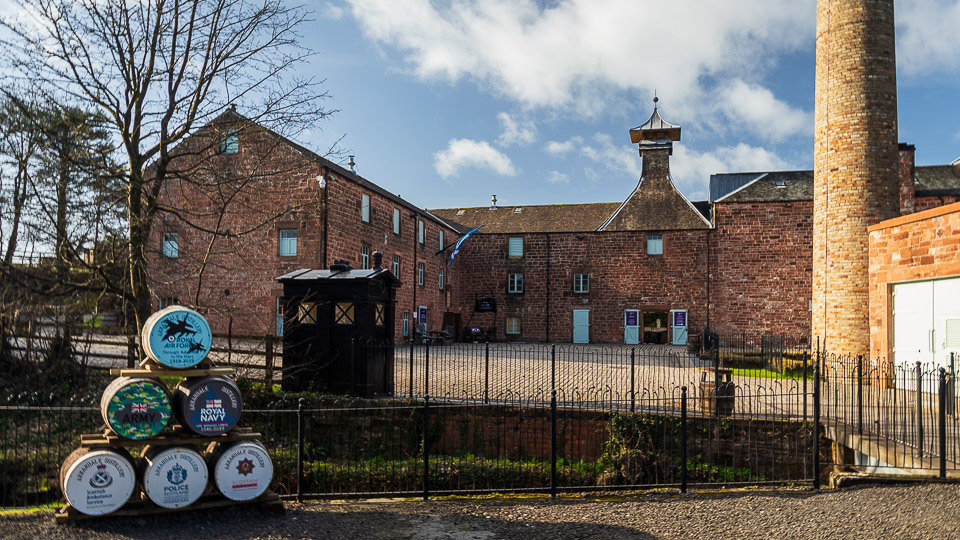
<point>678,324</point>
<point>581,326</point>
<point>631,327</point>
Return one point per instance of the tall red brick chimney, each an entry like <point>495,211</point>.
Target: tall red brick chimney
<point>855,162</point>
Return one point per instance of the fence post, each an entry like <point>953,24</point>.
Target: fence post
<point>411,368</point>
<point>920,408</point>
<point>553,444</point>
<point>131,351</point>
<point>553,367</point>
<point>683,439</point>
<point>943,423</point>
<point>426,369</point>
<point>300,421</point>
<point>633,395</point>
<point>716,382</point>
<point>860,394</point>
<point>486,373</point>
<point>806,356</point>
<point>268,362</point>
<point>816,421</point>
<point>951,388</point>
<point>426,447</point>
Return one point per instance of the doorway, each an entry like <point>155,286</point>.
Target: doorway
<point>655,327</point>
<point>581,326</point>
<point>631,327</point>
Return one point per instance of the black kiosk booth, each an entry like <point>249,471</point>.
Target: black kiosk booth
<point>338,329</point>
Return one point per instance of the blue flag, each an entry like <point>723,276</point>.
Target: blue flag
<point>456,248</point>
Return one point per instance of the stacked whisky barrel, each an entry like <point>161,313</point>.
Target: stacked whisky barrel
<point>203,453</point>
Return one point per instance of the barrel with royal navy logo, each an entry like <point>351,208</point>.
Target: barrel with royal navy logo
<point>242,471</point>
<point>98,481</point>
<point>136,408</point>
<point>176,337</point>
<point>173,476</point>
<point>207,406</point>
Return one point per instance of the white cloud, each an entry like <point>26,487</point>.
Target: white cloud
<point>577,54</point>
<point>621,159</point>
<point>465,153</point>
<point>560,148</point>
<point>927,36</point>
<point>755,108</point>
<point>515,133</point>
<point>557,177</point>
<point>332,11</point>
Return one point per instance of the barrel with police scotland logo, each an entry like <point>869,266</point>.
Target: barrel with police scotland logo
<point>242,471</point>
<point>176,337</point>
<point>207,406</point>
<point>97,481</point>
<point>136,408</point>
<point>173,477</point>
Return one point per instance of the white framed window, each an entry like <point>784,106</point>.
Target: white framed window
<point>420,274</point>
<point>406,324</point>
<point>365,208</point>
<point>441,239</point>
<point>364,257</point>
<point>230,142</point>
<point>288,242</point>
<point>515,246</point>
<point>396,221</point>
<point>513,325</point>
<point>419,231</point>
<point>654,244</point>
<point>515,283</point>
<point>581,283</point>
<point>171,245</point>
<point>396,265</point>
<point>440,279</point>
<point>168,301</point>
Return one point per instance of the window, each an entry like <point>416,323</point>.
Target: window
<point>364,257</point>
<point>379,316</point>
<point>515,247</point>
<point>396,221</point>
<point>654,244</point>
<point>420,274</point>
<point>288,242</point>
<point>581,283</point>
<point>365,208</point>
<point>396,265</point>
<point>440,280</point>
<point>168,301</point>
<point>441,239</point>
<point>171,245</point>
<point>230,142</point>
<point>513,325</point>
<point>515,283</point>
<point>420,231</point>
<point>307,313</point>
<point>343,313</point>
<point>406,324</point>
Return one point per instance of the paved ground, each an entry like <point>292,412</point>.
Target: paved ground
<point>902,512</point>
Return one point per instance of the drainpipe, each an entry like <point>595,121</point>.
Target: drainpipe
<point>326,189</point>
<point>416,239</point>
<point>547,235</point>
<point>708,280</point>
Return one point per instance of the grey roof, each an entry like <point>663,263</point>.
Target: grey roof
<point>721,184</point>
<point>937,180</point>
<point>304,274</point>
<point>655,122</point>
<point>771,186</point>
<point>655,129</point>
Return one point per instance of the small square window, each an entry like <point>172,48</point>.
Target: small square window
<point>343,313</point>
<point>440,281</point>
<point>378,315</point>
<point>581,283</point>
<point>654,244</point>
<point>515,248</point>
<point>515,283</point>
<point>420,231</point>
<point>364,257</point>
<point>230,142</point>
<point>307,313</point>
<point>171,245</point>
<point>365,208</point>
<point>396,221</point>
<point>288,242</point>
<point>396,265</point>
<point>513,325</point>
<point>420,274</point>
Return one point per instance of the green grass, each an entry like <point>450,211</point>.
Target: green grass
<point>796,375</point>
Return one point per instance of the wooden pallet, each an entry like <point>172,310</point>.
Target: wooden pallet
<point>178,436</point>
<point>152,369</point>
<point>269,502</point>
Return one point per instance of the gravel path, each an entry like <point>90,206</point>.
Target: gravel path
<point>906,511</point>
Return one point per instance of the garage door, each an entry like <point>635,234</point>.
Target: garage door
<point>926,324</point>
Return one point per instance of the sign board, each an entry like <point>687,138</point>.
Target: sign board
<point>631,318</point>
<point>679,318</point>
<point>423,314</point>
<point>485,305</point>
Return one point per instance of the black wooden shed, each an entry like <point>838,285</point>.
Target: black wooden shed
<point>338,329</point>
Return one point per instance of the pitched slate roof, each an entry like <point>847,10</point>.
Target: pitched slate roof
<point>937,180</point>
<point>530,219</point>
<point>656,205</point>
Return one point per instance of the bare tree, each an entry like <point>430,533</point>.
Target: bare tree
<point>158,69</point>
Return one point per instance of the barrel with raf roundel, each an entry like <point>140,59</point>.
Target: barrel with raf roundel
<point>97,481</point>
<point>207,405</point>
<point>176,337</point>
<point>242,471</point>
<point>136,408</point>
<point>173,477</point>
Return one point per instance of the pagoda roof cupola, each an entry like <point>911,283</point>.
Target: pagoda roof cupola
<point>655,132</point>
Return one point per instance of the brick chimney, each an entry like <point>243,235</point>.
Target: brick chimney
<point>908,162</point>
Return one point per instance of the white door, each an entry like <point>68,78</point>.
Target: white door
<point>946,321</point>
<point>678,326</point>
<point>912,330</point>
<point>581,326</point>
<point>631,327</point>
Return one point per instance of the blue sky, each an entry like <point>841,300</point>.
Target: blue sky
<point>449,102</point>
